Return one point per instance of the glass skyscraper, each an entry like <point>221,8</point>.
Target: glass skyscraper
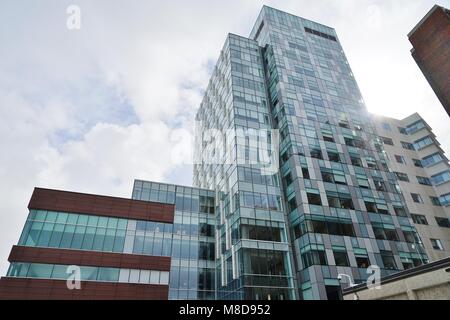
<point>334,206</point>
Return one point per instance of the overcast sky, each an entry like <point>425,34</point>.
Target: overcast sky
<point>89,110</point>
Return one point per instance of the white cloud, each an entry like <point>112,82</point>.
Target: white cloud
<point>91,110</point>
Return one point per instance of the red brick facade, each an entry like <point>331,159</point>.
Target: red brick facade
<point>41,289</point>
<point>431,42</point>
<point>46,199</point>
<point>88,258</point>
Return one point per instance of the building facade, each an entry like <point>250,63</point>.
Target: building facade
<point>294,184</point>
<point>97,234</point>
<point>427,282</point>
<point>431,49</point>
<point>423,173</point>
<point>189,241</point>
<point>292,75</point>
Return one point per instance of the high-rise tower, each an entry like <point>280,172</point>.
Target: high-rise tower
<point>334,206</point>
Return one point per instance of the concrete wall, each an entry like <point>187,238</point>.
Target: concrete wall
<point>433,285</point>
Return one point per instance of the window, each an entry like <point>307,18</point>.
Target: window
<point>410,236</point>
<point>336,177</point>
<point>407,145</point>
<point>379,185</point>
<point>330,226</point>
<point>422,143</point>
<point>370,206</point>
<point>414,127</point>
<point>400,211</point>
<point>292,204</point>
<point>387,141</point>
<point>362,261</point>
<point>432,159</point>
<point>333,293</point>
<point>314,199</point>
<point>314,257</point>
<point>328,138</point>
<point>440,178</point>
<point>417,163</point>
<point>391,235</point>
<point>344,124</point>
<point>436,244</point>
<point>371,163</point>
<point>400,159</point>
<point>442,222</point>
<point>402,176</point>
<point>424,181</point>
<point>341,258</point>
<point>340,202</point>
<point>416,198</point>
<point>386,126</point>
<point>362,181</point>
<point>305,173</point>
<point>316,153</point>
<point>435,201</point>
<point>388,260</point>
<point>339,178</point>
<point>384,234</point>
<point>327,177</point>
<point>445,199</point>
<point>419,219</point>
<point>356,161</point>
<point>402,130</point>
<point>333,156</point>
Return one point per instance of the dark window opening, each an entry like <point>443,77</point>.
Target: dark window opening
<point>419,219</point>
<point>362,262</point>
<point>334,156</point>
<point>314,199</point>
<point>320,34</point>
<point>391,235</point>
<point>344,125</point>
<point>263,233</point>
<point>356,161</point>
<point>379,185</point>
<point>292,204</point>
<point>316,153</point>
<point>400,211</point>
<point>324,227</point>
<point>341,258</point>
<point>417,163</point>
<point>327,177</point>
<point>442,222</point>
<point>343,203</point>
<point>305,173</point>
<point>409,236</point>
<point>388,260</point>
<point>402,176</point>
<point>314,257</point>
<point>370,206</point>
<point>387,141</point>
<point>333,292</point>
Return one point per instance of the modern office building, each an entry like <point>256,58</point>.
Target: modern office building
<point>288,235</point>
<point>293,186</point>
<point>431,48</point>
<point>126,249</point>
<point>423,173</point>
